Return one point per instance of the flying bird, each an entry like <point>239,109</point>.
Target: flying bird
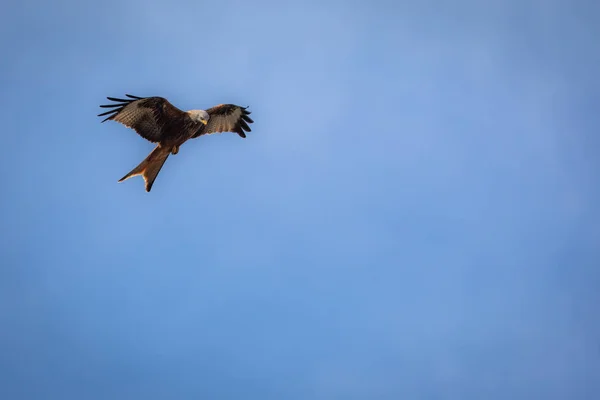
<point>158,121</point>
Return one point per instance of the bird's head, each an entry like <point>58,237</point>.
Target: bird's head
<point>199,116</point>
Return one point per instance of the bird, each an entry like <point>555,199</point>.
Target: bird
<point>158,121</point>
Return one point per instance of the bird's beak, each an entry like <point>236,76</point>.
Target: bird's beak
<point>204,121</point>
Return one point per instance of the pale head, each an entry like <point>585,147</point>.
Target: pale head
<point>200,116</point>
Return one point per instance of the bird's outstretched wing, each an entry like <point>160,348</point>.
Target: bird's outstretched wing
<point>146,115</point>
<point>226,118</point>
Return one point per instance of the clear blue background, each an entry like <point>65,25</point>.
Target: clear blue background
<point>414,215</point>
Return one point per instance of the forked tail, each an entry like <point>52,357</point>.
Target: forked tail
<point>150,167</point>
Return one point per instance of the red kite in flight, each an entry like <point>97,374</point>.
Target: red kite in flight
<point>160,122</point>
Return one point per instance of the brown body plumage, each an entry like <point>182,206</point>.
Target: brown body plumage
<point>158,121</point>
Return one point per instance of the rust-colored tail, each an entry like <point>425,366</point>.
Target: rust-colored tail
<point>150,167</point>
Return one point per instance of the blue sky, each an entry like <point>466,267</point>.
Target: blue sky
<point>414,214</point>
